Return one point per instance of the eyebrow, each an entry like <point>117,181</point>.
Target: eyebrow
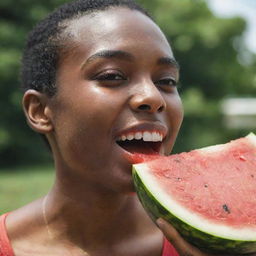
<point>118,54</point>
<point>168,61</point>
<point>109,54</point>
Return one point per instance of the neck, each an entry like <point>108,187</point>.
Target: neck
<point>83,215</point>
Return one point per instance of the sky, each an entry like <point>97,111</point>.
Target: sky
<point>244,8</point>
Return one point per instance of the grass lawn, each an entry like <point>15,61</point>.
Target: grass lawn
<point>22,185</point>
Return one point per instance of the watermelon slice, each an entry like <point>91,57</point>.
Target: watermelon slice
<point>208,195</point>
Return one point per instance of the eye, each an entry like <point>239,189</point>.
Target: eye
<point>110,76</point>
<point>166,82</point>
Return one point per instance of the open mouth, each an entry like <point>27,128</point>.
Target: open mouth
<point>141,142</point>
<point>140,146</point>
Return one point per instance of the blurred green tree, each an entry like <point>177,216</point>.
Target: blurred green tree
<point>214,64</point>
<point>18,144</point>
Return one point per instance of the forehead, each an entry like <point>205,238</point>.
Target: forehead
<point>116,27</point>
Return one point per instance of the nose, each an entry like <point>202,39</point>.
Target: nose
<point>147,98</point>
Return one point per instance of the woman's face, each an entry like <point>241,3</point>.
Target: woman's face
<point>117,82</point>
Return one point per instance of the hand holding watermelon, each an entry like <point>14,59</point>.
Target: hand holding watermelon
<point>182,246</point>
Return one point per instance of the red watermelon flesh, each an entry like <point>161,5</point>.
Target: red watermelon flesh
<point>208,194</point>
<point>219,185</point>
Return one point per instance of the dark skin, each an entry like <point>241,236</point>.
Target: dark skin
<point>109,82</point>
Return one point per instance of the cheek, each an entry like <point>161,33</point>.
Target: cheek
<point>174,119</point>
<point>175,111</point>
<point>84,126</point>
<point>80,140</point>
<point>85,108</point>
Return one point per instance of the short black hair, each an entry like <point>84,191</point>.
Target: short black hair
<point>42,51</point>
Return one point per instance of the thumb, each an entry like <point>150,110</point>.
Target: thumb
<point>168,230</point>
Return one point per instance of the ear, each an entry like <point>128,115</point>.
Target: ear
<point>37,111</point>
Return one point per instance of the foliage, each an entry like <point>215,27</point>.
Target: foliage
<point>18,144</point>
<point>214,64</point>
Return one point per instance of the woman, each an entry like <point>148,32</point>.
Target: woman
<point>99,79</point>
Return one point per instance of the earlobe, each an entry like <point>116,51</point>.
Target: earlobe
<point>37,111</point>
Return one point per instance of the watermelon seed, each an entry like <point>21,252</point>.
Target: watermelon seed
<point>177,160</point>
<point>178,179</point>
<point>252,175</point>
<point>225,207</point>
<point>206,185</point>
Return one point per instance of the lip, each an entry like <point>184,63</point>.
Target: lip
<point>142,127</point>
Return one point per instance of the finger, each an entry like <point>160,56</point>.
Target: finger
<point>182,247</point>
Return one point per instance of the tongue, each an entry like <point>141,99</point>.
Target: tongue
<point>139,148</point>
<point>140,152</point>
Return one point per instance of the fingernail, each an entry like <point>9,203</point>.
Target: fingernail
<point>159,222</point>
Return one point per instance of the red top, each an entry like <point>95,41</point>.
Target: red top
<point>168,249</point>
<point>5,245</point>
<point>6,248</point>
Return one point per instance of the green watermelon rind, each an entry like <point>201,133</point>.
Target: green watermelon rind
<point>201,239</point>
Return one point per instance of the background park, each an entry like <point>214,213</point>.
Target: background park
<point>218,85</point>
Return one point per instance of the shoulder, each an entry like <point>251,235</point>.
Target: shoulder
<point>24,229</point>
<point>24,220</point>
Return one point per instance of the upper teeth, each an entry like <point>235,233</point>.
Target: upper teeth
<point>145,136</point>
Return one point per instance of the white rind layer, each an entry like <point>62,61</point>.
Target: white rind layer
<point>192,219</point>
<point>251,138</point>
